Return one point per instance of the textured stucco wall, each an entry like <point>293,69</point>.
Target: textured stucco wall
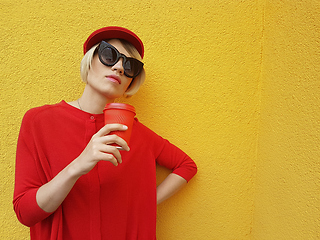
<point>288,167</point>
<point>206,79</point>
<point>203,64</point>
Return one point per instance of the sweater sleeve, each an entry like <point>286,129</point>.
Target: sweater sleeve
<point>28,175</point>
<point>174,158</point>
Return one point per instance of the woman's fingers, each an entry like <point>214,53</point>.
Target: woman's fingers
<point>105,130</point>
<point>114,139</point>
<point>111,154</point>
<point>107,138</point>
<point>102,146</point>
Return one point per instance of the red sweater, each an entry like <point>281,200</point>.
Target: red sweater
<point>109,202</point>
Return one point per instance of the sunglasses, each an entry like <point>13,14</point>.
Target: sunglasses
<point>109,56</point>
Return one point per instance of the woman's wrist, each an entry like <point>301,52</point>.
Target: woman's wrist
<point>74,170</point>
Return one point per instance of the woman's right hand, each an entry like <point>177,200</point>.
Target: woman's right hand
<point>100,149</point>
<point>51,195</point>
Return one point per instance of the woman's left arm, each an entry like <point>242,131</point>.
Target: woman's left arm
<point>172,184</point>
<point>182,166</point>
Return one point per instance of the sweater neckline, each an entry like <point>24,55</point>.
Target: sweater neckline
<point>80,113</point>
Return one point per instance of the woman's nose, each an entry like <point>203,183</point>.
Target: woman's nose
<point>118,66</point>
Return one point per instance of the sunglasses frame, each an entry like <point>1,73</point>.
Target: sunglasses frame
<point>104,45</point>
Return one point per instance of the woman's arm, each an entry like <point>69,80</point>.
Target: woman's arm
<point>50,195</point>
<point>171,184</point>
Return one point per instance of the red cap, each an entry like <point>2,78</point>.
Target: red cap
<point>113,32</point>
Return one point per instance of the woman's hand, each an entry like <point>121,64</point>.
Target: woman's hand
<point>51,195</point>
<point>99,149</point>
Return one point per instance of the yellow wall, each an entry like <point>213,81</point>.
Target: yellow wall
<point>287,203</point>
<point>226,82</point>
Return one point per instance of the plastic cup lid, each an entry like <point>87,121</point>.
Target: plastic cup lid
<point>123,106</point>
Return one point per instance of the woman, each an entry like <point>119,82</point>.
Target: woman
<point>71,183</point>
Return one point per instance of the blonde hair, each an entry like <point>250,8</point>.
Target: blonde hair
<point>135,83</point>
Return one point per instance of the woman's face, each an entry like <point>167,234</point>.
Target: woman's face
<point>109,81</point>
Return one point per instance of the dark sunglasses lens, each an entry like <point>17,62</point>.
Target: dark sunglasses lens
<point>132,67</point>
<point>108,56</point>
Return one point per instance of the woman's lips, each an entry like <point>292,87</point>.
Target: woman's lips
<point>114,78</point>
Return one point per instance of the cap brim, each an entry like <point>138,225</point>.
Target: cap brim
<point>113,32</point>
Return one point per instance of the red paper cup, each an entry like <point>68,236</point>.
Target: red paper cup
<point>120,113</point>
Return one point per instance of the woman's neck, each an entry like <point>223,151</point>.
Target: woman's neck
<point>92,102</point>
